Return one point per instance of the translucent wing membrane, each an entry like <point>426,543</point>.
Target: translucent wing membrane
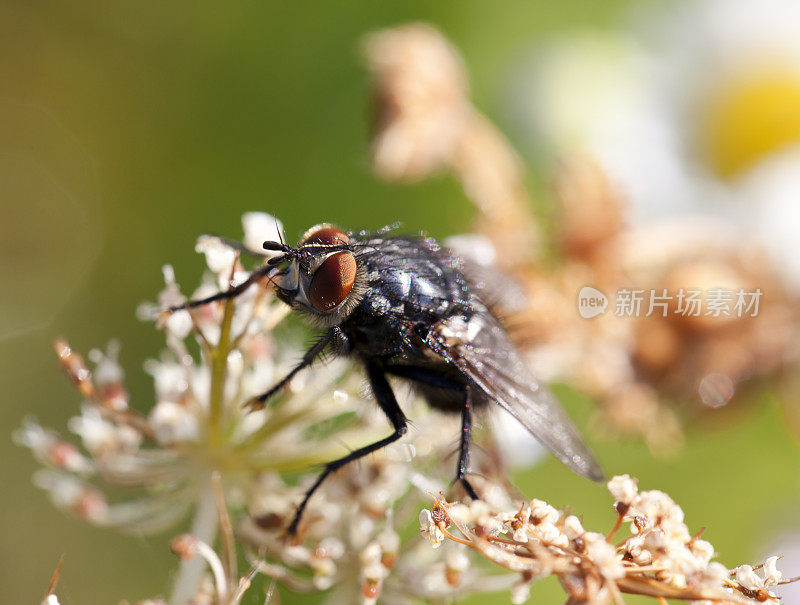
<point>481,350</point>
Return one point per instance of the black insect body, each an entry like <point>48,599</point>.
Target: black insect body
<point>404,307</point>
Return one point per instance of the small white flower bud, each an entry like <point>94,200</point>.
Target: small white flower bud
<point>745,576</point>
<point>623,488</point>
<point>655,540</point>
<point>370,554</point>
<point>429,529</point>
<point>374,572</point>
<point>635,548</point>
<point>604,555</point>
<point>460,513</point>
<point>185,546</point>
<point>573,527</point>
<point>520,535</point>
<point>107,369</point>
<point>455,557</point>
<point>550,534</point>
<point>173,423</point>
<point>716,572</point>
<point>389,540</point>
<point>331,548</point>
<point>324,572</point>
<point>772,575</point>
<point>703,550</point>
<point>542,512</point>
<point>219,256</point>
<point>179,324</point>
<point>520,592</point>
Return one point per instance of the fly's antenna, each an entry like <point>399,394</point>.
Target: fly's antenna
<point>279,246</point>
<point>288,252</point>
<point>278,229</point>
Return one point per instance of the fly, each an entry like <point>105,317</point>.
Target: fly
<point>405,307</point>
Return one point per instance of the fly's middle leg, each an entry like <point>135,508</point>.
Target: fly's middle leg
<point>434,379</point>
<point>388,403</point>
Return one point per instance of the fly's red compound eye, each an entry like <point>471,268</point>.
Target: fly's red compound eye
<point>326,235</point>
<point>332,281</point>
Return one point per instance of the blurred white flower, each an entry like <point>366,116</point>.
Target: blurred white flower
<point>519,448</point>
<point>695,110</point>
<point>260,227</point>
<point>219,257</point>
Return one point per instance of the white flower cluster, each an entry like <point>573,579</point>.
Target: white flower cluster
<point>661,538</point>
<point>199,448</point>
<point>197,421</point>
<point>660,559</point>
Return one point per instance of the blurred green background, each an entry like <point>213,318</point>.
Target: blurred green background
<point>127,129</point>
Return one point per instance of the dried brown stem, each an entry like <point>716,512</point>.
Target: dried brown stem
<point>81,377</point>
<point>51,588</point>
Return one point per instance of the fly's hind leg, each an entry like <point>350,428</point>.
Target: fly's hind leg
<point>431,378</point>
<point>466,440</point>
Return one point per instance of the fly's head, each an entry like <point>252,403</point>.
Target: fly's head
<point>320,277</point>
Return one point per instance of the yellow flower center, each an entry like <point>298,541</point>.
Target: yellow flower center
<point>750,117</point>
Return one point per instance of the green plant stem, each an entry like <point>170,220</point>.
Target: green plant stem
<point>219,368</point>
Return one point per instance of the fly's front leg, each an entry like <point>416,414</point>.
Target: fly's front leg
<point>386,399</point>
<point>257,403</point>
<point>232,293</point>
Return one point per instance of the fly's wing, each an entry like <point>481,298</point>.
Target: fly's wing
<point>480,349</point>
<point>501,291</point>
